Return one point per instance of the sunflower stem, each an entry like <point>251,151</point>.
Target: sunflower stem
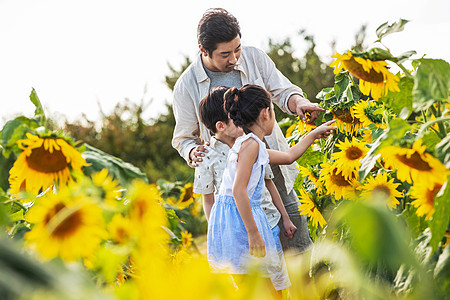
<point>407,74</point>
<point>441,126</point>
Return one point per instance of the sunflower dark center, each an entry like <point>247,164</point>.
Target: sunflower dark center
<point>432,193</point>
<point>353,153</point>
<point>415,161</point>
<point>382,189</point>
<point>69,225</point>
<point>345,116</point>
<point>188,194</point>
<point>338,179</point>
<point>43,161</point>
<point>357,70</point>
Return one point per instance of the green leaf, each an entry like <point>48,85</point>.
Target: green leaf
<point>386,29</point>
<point>39,111</point>
<point>397,101</point>
<point>17,216</point>
<point>441,216</point>
<point>341,83</point>
<point>310,157</point>
<point>443,151</point>
<point>122,171</point>
<point>430,140</point>
<point>431,82</point>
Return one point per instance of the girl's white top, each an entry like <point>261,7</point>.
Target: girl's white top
<point>226,188</point>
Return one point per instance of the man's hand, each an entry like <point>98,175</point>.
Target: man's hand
<point>300,106</point>
<point>197,153</point>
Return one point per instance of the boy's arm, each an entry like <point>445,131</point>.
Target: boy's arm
<point>289,227</point>
<point>292,154</point>
<point>247,157</point>
<point>208,201</point>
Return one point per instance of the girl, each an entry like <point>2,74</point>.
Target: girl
<point>238,230</point>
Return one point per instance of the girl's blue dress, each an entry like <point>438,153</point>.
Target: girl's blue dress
<point>227,240</point>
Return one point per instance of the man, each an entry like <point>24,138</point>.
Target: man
<point>224,61</point>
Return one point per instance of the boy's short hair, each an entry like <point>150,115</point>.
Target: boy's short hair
<point>211,108</point>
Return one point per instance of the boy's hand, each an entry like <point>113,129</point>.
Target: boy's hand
<point>325,129</point>
<point>256,245</point>
<point>289,228</point>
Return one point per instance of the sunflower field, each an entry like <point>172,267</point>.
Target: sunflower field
<point>78,223</point>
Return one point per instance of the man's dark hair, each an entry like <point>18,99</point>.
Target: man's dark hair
<point>211,108</point>
<point>217,26</point>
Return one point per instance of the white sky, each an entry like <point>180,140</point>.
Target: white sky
<point>82,54</point>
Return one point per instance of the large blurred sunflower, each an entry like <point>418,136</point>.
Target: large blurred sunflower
<point>380,185</point>
<point>369,113</point>
<point>347,161</point>
<point>414,164</point>
<point>307,207</point>
<point>65,225</point>
<point>424,193</point>
<point>336,184</point>
<point>43,161</point>
<point>374,77</point>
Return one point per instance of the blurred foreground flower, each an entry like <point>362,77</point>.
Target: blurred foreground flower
<point>43,161</point>
<point>65,225</point>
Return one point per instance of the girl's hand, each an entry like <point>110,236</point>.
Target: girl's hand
<point>256,245</point>
<point>289,228</point>
<point>324,130</point>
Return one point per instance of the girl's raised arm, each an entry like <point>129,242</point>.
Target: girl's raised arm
<point>248,155</point>
<point>293,153</point>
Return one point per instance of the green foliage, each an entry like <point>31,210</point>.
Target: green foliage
<point>146,146</point>
<point>432,82</point>
<point>122,171</point>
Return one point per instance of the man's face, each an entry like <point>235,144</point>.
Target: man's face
<point>224,58</point>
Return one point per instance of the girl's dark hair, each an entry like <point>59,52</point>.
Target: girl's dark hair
<point>245,104</point>
<point>217,26</point>
<point>211,108</point>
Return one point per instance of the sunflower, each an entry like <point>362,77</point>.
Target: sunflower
<point>142,197</point>
<point>308,208</point>
<point>186,239</point>
<point>120,229</point>
<point>424,195</point>
<point>374,77</point>
<point>43,161</point>
<point>381,185</point>
<point>109,186</point>
<point>186,197</point>
<point>346,122</point>
<point>305,172</point>
<point>336,184</point>
<point>65,225</point>
<point>414,164</point>
<point>347,161</point>
<point>369,113</point>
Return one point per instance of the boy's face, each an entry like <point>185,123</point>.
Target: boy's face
<point>231,130</point>
<point>224,58</point>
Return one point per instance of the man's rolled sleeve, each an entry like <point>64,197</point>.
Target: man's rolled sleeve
<point>185,123</point>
